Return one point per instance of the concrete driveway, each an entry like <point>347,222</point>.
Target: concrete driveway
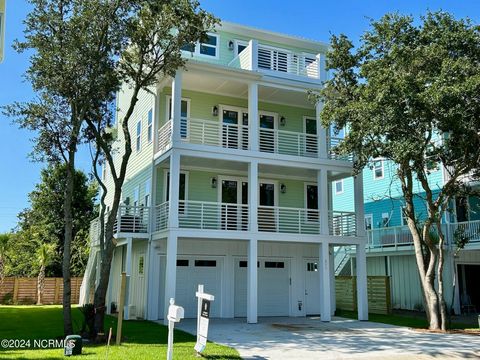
<point>309,338</point>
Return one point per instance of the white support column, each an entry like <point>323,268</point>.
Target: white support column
<point>156,118</point>
<point>128,271</point>
<point>176,108</point>
<point>321,132</point>
<point>173,193</point>
<point>170,272</point>
<point>252,281</point>
<point>253,44</point>
<point>359,208</point>
<point>253,120</point>
<point>153,282</point>
<point>253,196</point>
<point>322,189</point>
<point>333,300</point>
<point>362,297</point>
<point>324,268</point>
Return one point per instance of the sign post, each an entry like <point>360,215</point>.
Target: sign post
<point>203,317</point>
<point>175,314</point>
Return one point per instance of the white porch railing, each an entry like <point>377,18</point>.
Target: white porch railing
<point>332,142</point>
<point>288,143</point>
<point>288,220</point>
<point>161,216</point>
<point>279,61</point>
<point>132,219</point>
<point>342,223</point>
<point>471,229</point>
<point>165,136</point>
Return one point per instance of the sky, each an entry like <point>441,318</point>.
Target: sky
<point>307,18</point>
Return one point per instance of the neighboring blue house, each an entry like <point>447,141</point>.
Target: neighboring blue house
<point>390,246</point>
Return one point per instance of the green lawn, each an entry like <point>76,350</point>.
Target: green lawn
<point>414,321</point>
<point>142,339</point>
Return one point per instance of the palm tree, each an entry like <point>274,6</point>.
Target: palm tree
<point>45,254</point>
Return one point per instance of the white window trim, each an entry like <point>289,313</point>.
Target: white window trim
<point>136,195</point>
<point>368,216</point>
<point>235,46</point>
<point>165,172</point>
<point>167,108</point>
<point>148,186</point>
<point>138,137</point>
<point>339,192</point>
<point>150,127</point>
<point>196,51</point>
<point>382,162</point>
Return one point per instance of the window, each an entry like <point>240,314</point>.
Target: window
<point>240,46</point>
<point>147,193</point>
<point>139,135</point>
<point>377,169</point>
<point>339,187</point>
<point>184,114</point>
<point>182,262</point>
<point>150,126</point>
<point>244,264</point>
<point>182,196</point>
<point>136,196</point>
<point>206,263</point>
<point>141,265</point>
<point>385,219</point>
<point>311,195</point>
<point>274,264</point>
<point>208,48</point>
<point>368,221</point>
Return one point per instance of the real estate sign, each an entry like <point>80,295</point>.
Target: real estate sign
<point>203,318</point>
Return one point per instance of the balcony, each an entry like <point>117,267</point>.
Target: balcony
<point>277,62</point>
<point>204,215</point>
<point>398,236</point>
<point>233,136</point>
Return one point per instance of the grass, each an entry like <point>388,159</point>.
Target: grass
<point>142,339</point>
<point>417,320</point>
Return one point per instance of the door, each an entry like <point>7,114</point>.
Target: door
<point>312,288</point>
<point>268,136</point>
<point>234,194</point>
<point>273,287</point>
<point>234,129</point>
<point>311,144</point>
<point>267,217</point>
<point>195,270</point>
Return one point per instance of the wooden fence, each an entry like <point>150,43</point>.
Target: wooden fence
<point>378,289</point>
<point>24,290</point>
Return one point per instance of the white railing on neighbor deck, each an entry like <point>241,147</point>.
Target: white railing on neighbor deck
<point>132,219</point>
<point>242,60</point>
<point>95,232</point>
<point>288,143</point>
<point>288,220</point>
<point>342,223</point>
<point>332,142</point>
<point>395,236</point>
<point>165,137</point>
<point>212,215</point>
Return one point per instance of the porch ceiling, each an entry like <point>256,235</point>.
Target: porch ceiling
<point>223,85</point>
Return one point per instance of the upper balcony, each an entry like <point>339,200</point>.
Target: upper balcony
<point>279,62</point>
<point>235,136</point>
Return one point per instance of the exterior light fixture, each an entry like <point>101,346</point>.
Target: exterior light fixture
<point>283,121</point>
<point>213,182</point>
<point>283,188</point>
<point>215,110</point>
<point>230,45</point>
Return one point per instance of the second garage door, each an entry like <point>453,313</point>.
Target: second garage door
<point>192,271</point>
<point>273,287</point>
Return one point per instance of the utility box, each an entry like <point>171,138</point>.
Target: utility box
<point>73,345</point>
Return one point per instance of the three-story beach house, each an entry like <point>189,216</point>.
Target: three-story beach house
<point>229,186</point>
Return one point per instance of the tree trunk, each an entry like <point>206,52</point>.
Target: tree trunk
<point>68,215</point>
<point>40,285</point>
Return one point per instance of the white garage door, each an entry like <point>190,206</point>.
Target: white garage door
<point>273,287</point>
<point>192,271</point>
